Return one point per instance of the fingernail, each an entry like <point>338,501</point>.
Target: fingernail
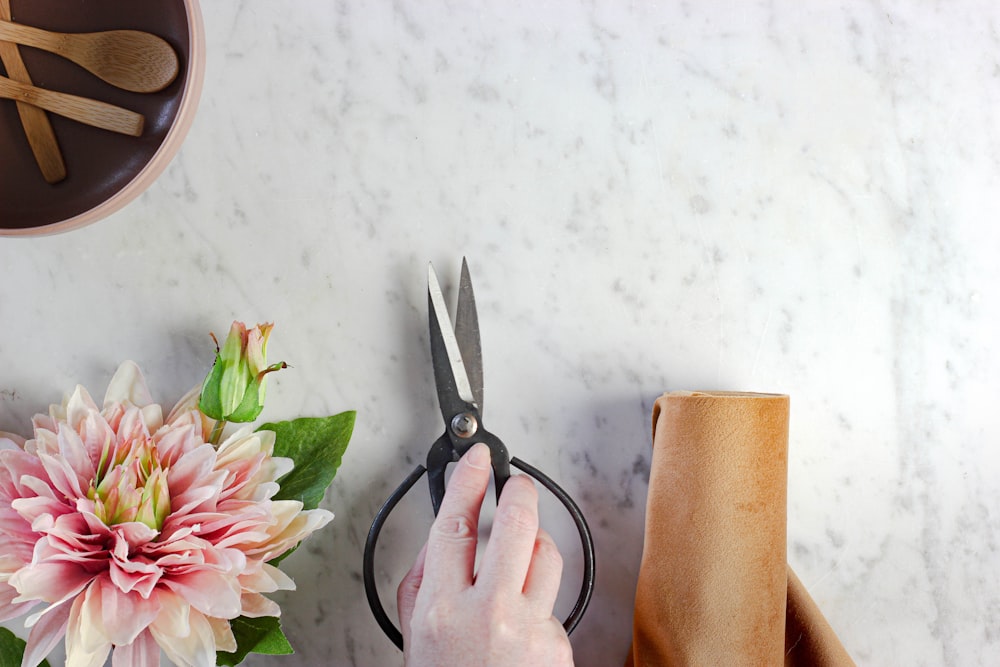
<point>479,456</point>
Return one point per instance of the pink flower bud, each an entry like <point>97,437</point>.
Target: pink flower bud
<point>234,389</point>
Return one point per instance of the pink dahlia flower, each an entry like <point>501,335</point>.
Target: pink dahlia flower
<point>123,531</point>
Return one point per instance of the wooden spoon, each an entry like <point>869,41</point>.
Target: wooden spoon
<point>81,109</point>
<point>130,59</point>
<point>37,128</point>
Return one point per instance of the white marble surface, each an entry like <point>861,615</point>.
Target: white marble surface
<point>773,196</point>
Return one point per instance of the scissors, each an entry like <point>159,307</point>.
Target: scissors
<point>457,357</point>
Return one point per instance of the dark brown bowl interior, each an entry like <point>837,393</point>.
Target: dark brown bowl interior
<point>98,163</point>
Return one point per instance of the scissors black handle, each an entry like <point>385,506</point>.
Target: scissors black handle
<point>586,541</point>
<point>449,448</point>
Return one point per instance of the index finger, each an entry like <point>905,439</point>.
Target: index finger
<point>451,546</point>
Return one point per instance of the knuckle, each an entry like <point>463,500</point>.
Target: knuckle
<point>468,482</point>
<point>500,616</point>
<point>518,517</point>
<point>438,621</point>
<point>504,632</point>
<point>462,488</point>
<point>547,551</point>
<point>453,528</point>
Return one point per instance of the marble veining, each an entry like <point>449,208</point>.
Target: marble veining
<point>761,196</point>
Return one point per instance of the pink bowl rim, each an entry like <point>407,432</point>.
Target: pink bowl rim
<point>163,155</point>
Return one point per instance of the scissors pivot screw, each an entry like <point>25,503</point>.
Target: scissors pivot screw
<point>464,425</point>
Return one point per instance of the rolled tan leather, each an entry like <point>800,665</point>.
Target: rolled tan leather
<point>809,639</point>
<point>713,583</point>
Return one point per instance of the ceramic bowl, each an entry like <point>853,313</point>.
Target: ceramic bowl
<point>105,171</point>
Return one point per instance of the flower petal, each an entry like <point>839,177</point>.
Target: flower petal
<point>176,440</point>
<point>291,526</point>
<point>10,440</point>
<point>64,478</point>
<point>223,631</point>
<point>267,579</point>
<point>125,615</point>
<point>193,470</point>
<point>211,593</point>
<point>174,619</point>
<point>79,405</point>
<point>48,629</point>
<point>187,403</point>
<point>128,386</point>
<point>8,608</point>
<point>143,652</point>
<point>135,575</point>
<point>50,581</point>
<point>86,645</point>
<point>195,648</point>
<point>256,605</point>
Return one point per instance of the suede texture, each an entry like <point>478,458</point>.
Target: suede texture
<point>809,639</point>
<point>713,586</point>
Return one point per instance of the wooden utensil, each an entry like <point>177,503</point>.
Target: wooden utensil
<point>37,127</point>
<point>81,109</point>
<point>133,60</point>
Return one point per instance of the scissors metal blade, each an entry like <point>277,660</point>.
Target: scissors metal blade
<point>467,333</point>
<point>449,369</point>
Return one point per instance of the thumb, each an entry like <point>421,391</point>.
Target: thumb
<point>406,594</point>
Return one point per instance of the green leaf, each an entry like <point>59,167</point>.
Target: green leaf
<point>317,446</point>
<point>12,650</point>
<point>254,635</point>
<point>210,401</point>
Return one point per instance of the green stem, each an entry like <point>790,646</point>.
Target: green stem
<point>217,431</point>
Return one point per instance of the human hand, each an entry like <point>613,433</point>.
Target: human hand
<point>500,616</point>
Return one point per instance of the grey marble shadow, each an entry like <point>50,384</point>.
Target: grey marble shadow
<point>608,476</point>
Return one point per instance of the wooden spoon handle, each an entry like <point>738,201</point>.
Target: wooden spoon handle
<point>37,127</point>
<point>27,35</point>
<point>81,109</point>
